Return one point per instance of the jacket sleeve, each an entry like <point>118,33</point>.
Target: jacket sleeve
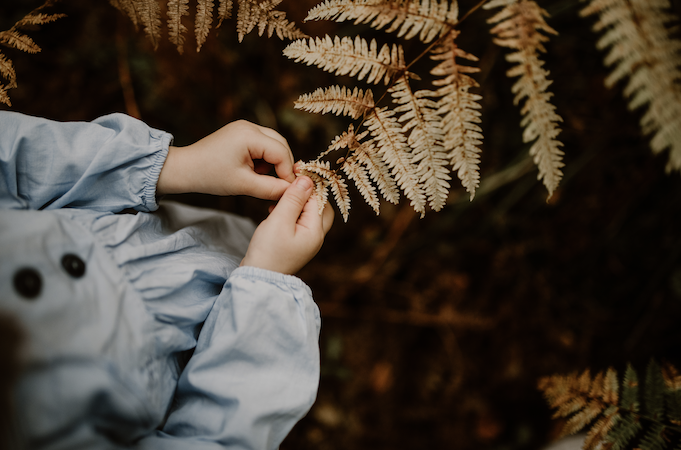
<point>110,164</point>
<point>255,370</point>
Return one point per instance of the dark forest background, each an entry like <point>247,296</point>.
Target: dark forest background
<point>435,330</point>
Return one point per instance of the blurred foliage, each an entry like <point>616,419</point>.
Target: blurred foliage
<point>435,330</point>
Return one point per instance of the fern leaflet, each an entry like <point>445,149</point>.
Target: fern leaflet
<point>426,18</point>
<point>337,100</point>
<point>519,26</point>
<point>349,57</point>
<point>642,50</point>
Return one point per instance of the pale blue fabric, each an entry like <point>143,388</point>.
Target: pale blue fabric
<point>164,343</point>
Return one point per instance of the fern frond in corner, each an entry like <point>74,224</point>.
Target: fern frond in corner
<point>520,26</point>
<point>428,19</point>
<point>349,57</point>
<point>16,39</point>
<point>459,109</point>
<point>619,419</point>
<point>642,50</point>
<point>337,100</point>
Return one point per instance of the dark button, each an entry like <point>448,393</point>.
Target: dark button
<point>28,283</point>
<point>73,265</point>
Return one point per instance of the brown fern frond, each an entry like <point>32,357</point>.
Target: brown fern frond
<point>360,176</point>
<point>38,18</point>
<point>363,165</point>
<point>368,155</point>
<point>459,107</point>
<point>176,10</point>
<point>262,14</point>
<point>7,71</point>
<point>672,377</point>
<point>519,26</point>
<point>425,139</point>
<point>224,11</point>
<point>395,151</point>
<point>149,13</point>
<point>642,50</point>
<point>426,18</point>
<point>330,179</point>
<point>601,428</point>
<point>203,21</point>
<point>4,96</point>
<point>337,100</point>
<point>15,39</point>
<point>349,57</point>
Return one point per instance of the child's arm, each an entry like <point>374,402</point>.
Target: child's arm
<point>109,164</point>
<point>118,162</point>
<point>255,370</point>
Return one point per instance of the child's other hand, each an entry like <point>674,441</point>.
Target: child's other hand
<point>292,234</point>
<point>231,161</point>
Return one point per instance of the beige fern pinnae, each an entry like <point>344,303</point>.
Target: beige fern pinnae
<point>414,143</point>
<point>426,18</point>
<point>176,30</point>
<point>354,57</point>
<point>419,114</point>
<point>337,100</point>
<point>521,26</point>
<point>262,14</point>
<point>460,110</point>
<point>642,51</point>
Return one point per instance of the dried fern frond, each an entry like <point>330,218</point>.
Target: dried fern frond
<point>425,139</point>
<point>346,56</point>
<point>363,165</point>
<point>426,18</point>
<point>520,26</point>
<point>253,13</point>
<point>177,9</point>
<point>329,178</point>
<point>337,100</point>
<point>203,21</point>
<point>642,50</point>
<point>224,11</point>
<point>149,13</point>
<point>395,151</point>
<point>460,110</point>
<point>617,417</point>
<point>16,39</point>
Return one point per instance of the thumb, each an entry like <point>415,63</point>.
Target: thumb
<point>294,199</point>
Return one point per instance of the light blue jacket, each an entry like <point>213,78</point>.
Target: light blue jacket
<point>142,331</point>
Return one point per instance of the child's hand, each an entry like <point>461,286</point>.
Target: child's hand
<point>292,234</point>
<point>231,161</point>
